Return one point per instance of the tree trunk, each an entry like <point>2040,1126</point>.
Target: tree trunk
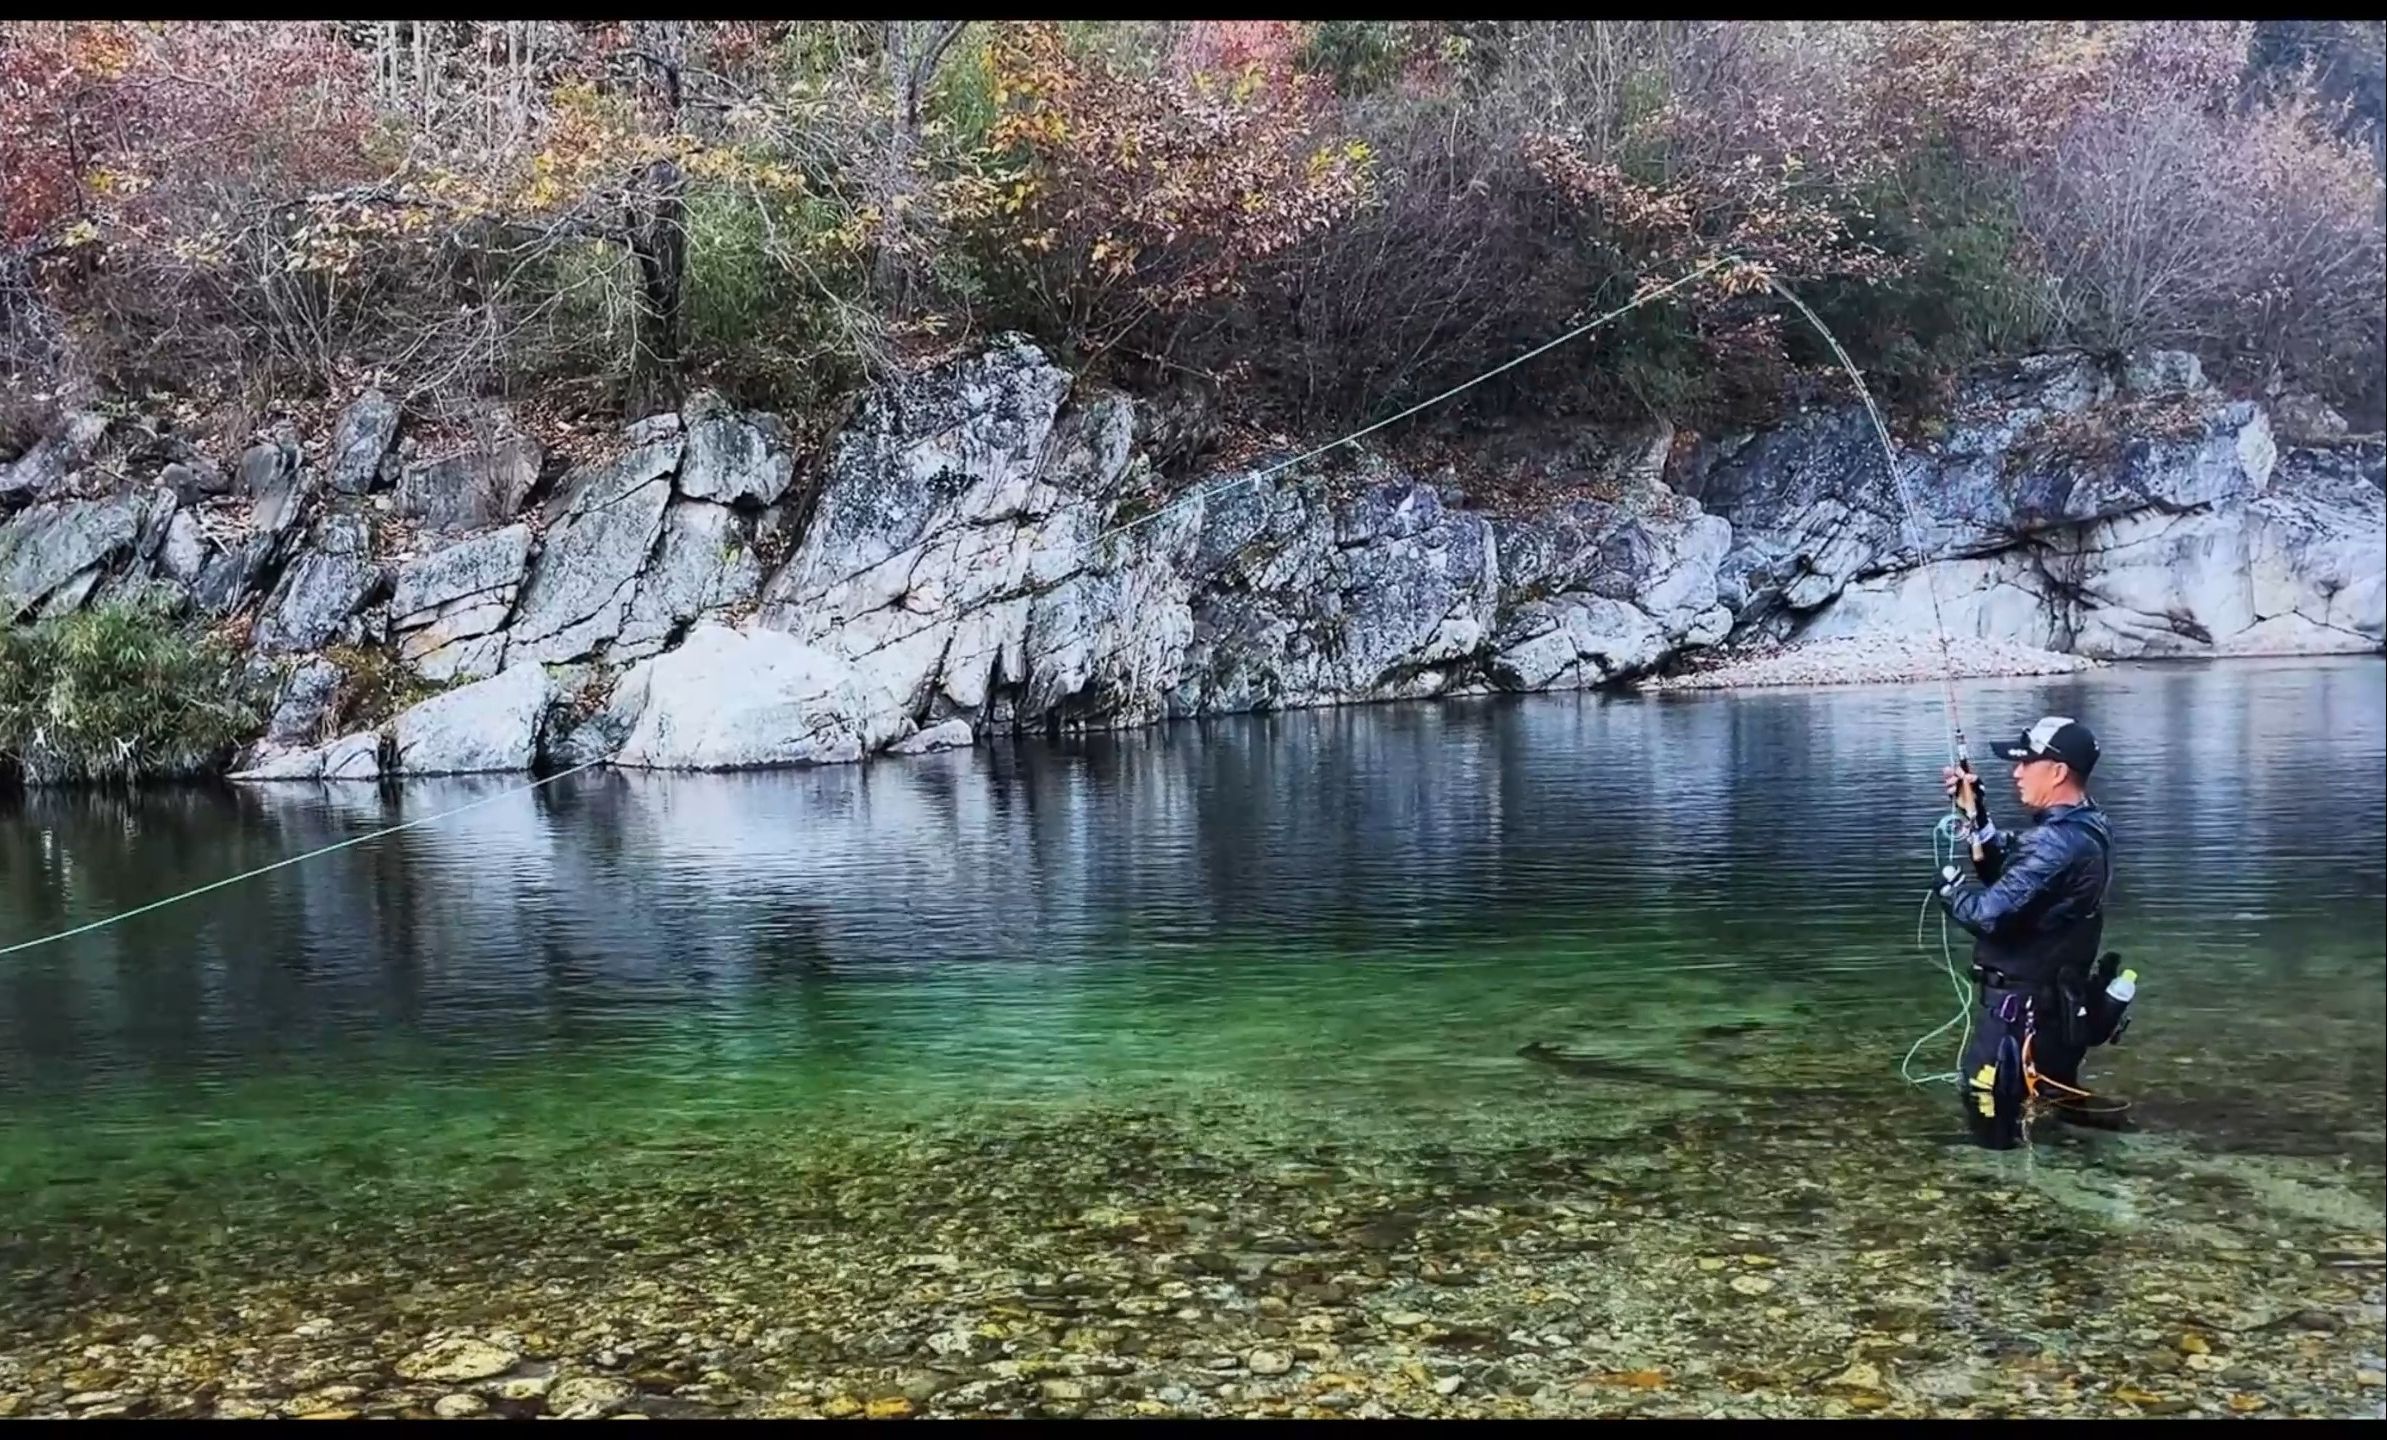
<point>914,49</point>
<point>658,234</point>
<point>889,270</point>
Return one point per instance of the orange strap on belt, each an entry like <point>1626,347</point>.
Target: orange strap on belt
<point>2032,1079</point>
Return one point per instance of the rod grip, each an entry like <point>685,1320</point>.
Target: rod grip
<point>1964,763</point>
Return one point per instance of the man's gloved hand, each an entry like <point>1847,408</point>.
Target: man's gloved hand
<point>1964,790</point>
<point>1949,878</point>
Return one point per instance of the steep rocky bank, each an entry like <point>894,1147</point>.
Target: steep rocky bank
<point>990,546</point>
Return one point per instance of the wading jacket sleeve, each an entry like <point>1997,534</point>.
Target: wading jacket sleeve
<point>2036,905</point>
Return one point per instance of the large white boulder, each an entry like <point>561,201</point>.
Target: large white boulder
<point>737,699</point>
<point>490,725</point>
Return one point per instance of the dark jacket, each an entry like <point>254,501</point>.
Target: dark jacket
<point>2037,908</point>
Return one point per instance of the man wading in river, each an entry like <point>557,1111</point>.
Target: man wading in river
<point>2035,903</point>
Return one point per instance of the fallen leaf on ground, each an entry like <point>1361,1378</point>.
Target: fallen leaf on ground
<point>1634,1379</point>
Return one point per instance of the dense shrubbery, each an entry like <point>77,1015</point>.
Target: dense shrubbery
<point>1331,218</point>
<point>115,693</point>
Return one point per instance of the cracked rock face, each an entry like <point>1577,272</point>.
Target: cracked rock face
<point>278,485</point>
<point>56,558</point>
<point>2121,545</point>
<point>955,528</point>
<point>43,472</point>
<point>331,576</point>
<point>471,489</point>
<point>1813,508</point>
<point>229,575</point>
<point>1304,603</point>
<point>2319,557</point>
<point>36,475</point>
<point>2003,596</point>
<point>625,568</point>
<point>704,567</point>
<point>351,757</point>
<point>581,586</point>
<point>303,703</point>
<point>2297,570</point>
<point>63,543</point>
<point>182,552</point>
<point>447,607</point>
<point>361,443</point>
<point>1603,591</point>
<point>2294,569</point>
<point>970,559</point>
<point>736,459</point>
<point>927,470</point>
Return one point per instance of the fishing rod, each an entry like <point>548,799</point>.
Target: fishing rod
<point>1912,515</point>
<point>1958,821</point>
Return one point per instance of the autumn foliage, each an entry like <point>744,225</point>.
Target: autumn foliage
<point>1116,199</point>
<point>1329,219</point>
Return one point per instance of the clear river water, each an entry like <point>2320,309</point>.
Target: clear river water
<point>1178,1072</point>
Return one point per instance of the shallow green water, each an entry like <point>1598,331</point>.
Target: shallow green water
<point>626,1019</point>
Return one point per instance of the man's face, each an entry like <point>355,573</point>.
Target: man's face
<point>2038,781</point>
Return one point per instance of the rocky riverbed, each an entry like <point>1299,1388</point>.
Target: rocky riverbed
<point>1773,1261</point>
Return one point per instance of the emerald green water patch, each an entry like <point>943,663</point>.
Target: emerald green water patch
<point>1331,1046</point>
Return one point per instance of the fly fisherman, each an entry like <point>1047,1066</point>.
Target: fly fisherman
<point>2035,904</point>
